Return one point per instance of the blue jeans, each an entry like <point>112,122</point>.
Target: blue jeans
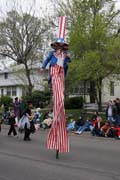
<point>111,119</point>
<point>71,126</point>
<point>85,127</point>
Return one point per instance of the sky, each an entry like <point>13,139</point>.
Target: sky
<point>38,6</point>
<point>118,4</point>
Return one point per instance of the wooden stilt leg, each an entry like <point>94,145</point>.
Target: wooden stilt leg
<point>57,154</point>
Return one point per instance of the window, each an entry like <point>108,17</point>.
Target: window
<point>11,91</point>
<point>2,92</point>
<point>111,88</point>
<point>82,88</point>
<point>8,91</point>
<point>14,91</point>
<point>6,75</point>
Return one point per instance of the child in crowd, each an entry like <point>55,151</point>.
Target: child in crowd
<point>12,123</point>
<point>71,125</point>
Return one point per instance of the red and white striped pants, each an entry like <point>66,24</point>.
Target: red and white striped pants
<point>58,137</point>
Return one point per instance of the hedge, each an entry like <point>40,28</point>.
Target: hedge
<point>74,103</point>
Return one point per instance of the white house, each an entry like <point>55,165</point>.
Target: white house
<point>110,89</point>
<point>13,81</point>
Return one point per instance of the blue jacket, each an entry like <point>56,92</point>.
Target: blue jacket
<point>53,60</point>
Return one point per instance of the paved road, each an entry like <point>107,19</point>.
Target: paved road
<point>90,158</point>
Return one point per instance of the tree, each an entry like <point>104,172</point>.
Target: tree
<point>21,39</point>
<point>6,101</point>
<point>93,38</point>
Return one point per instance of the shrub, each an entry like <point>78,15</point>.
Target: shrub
<point>39,98</point>
<point>74,103</point>
<point>7,101</point>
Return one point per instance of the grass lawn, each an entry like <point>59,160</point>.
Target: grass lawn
<point>77,112</point>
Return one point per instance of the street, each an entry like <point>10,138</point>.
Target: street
<point>90,158</point>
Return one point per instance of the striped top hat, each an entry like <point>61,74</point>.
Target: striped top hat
<point>60,40</point>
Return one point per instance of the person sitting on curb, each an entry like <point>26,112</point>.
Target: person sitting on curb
<point>86,126</point>
<point>97,127</point>
<point>105,129</point>
<point>71,125</point>
<point>46,123</point>
<point>79,122</point>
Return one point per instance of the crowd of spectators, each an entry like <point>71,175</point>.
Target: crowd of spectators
<point>108,127</point>
<point>95,124</point>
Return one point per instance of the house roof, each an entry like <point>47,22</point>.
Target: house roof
<point>17,67</point>
<point>19,79</point>
<point>11,82</point>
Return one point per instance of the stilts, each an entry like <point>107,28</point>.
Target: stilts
<point>57,154</point>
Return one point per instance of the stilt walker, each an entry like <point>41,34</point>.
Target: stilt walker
<point>58,138</point>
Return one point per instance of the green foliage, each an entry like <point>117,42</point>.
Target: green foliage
<point>74,103</point>
<point>75,113</point>
<point>39,98</point>
<point>6,100</point>
<point>94,42</point>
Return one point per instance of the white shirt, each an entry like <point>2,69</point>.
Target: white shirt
<point>60,58</point>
